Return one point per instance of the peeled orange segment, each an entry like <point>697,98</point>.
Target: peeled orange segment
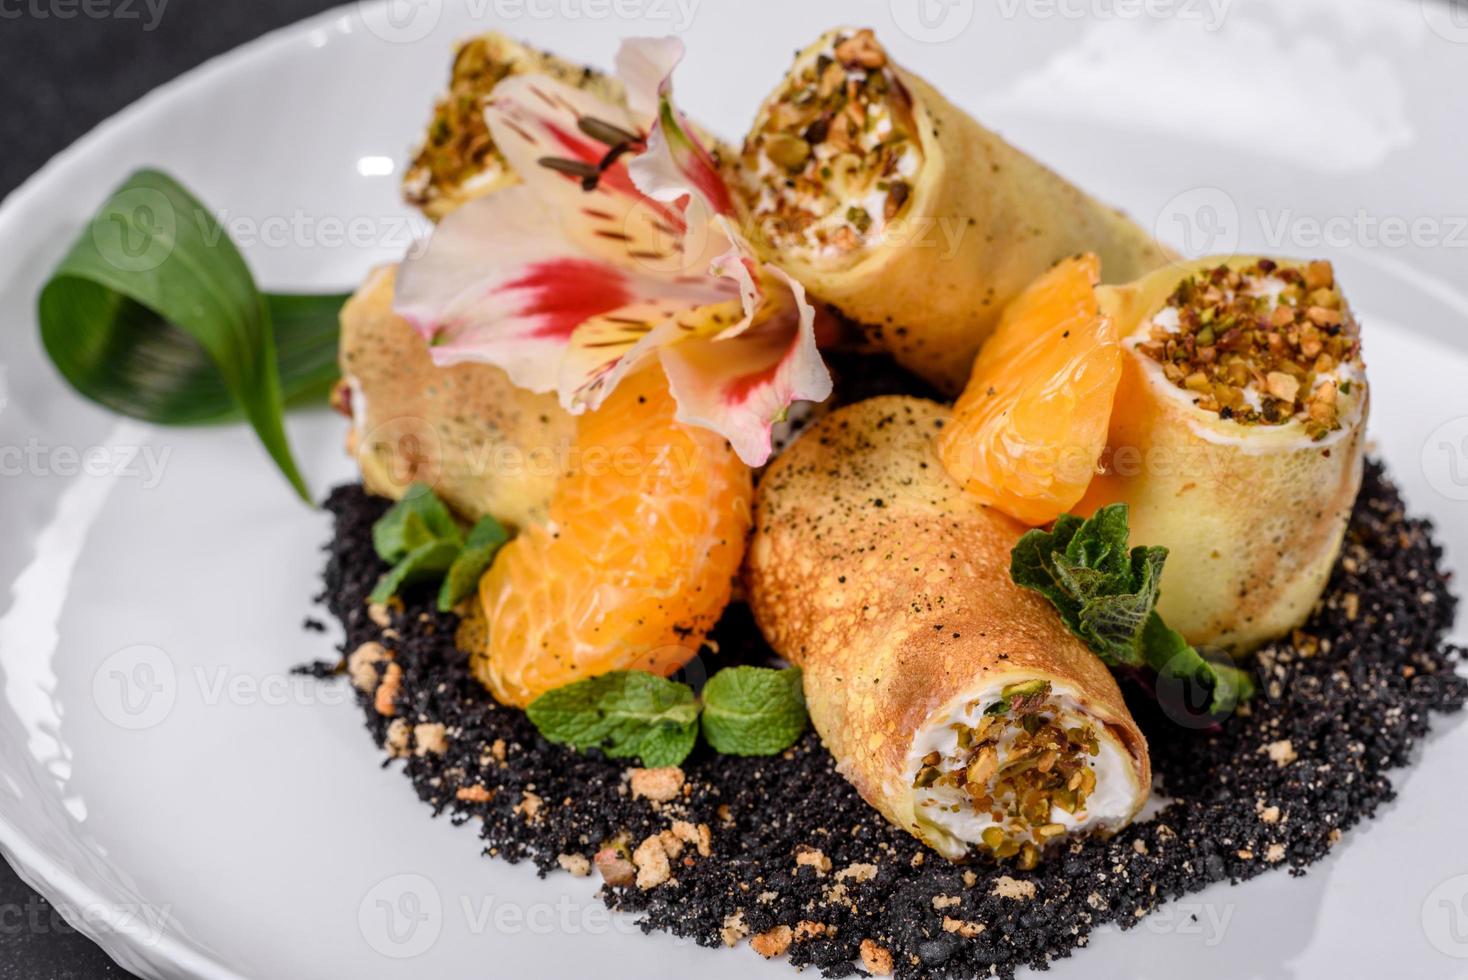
<point>1028,430</point>
<point>636,562</point>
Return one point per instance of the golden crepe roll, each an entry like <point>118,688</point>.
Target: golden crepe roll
<point>457,160</point>
<point>485,446</point>
<point>1237,438</point>
<point>945,692</point>
<point>897,208</point>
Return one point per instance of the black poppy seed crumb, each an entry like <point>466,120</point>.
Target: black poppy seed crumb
<point>1351,694</point>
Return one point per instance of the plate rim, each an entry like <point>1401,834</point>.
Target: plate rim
<point>105,922</point>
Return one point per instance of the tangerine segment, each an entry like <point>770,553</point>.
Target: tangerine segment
<point>637,560</point>
<point>1030,427</point>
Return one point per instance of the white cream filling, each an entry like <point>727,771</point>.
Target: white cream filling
<point>948,811</point>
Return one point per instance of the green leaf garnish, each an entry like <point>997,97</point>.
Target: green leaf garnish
<point>419,518</point>
<point>428,561</point>
<point>419,537</point>
<point>1175,659</point>
<point>753,710</point>
<point>625,714</point>
<point>154,315</point>
<point>746,711</point>
<point>484,542</point>
<point>1103,593</point>
<point>1107,595</point>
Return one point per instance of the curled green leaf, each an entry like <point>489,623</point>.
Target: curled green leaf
<point>154,314</point>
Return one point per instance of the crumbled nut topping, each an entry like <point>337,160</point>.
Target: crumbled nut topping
<point>651,858</point>
<point>812,858</point>
<point>876,959</point>
<point>773,943</point>
<point>832,159</point>
<point>362,665</point>
<point>399,737</point>
<point>430,738</point>
<point>658,785</point>
<point>474,794</point>
<point>387,691</point>
<point>1260,345</point>
<point>734,929</point>
<point>1007,887</point>
<point>576,864</point>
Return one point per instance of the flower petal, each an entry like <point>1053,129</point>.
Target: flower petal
<point>499,283</point>
<point>535,119</point>
<point>605,348</point>
<point>643,65</point>
<point>740,386</point>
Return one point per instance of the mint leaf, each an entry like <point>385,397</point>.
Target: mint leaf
<point>1107,596</point>
<point>418,519</point>
<point>625,714</point>
<point>1174,659</point>
<point>484,542</point>
<point>428,561</point>
<point>753,710</point>
<point>662,747</point>
<point>1103,593</point>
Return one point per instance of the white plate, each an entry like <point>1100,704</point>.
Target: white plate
<point>201,814</point>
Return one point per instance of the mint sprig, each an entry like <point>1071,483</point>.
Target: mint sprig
<point>1107,596</point>
<point>745,711</point>
<point>422,541</point>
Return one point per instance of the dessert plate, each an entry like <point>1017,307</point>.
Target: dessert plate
<point>201,812</point>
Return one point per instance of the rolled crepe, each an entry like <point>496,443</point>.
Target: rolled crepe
<point>1236,438</point>
<point>955,702</point>
<point>897,208</point>
<point>457,160</point>
<point>484,445</point>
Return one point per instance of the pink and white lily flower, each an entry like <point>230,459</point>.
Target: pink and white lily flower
<point>620,245</point>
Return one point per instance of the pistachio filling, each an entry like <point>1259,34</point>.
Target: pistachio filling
<point>1262,345</point>
<point>1022,765</point>
<point>458,145</point>
<point>831,161</point>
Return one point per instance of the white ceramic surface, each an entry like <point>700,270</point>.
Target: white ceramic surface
<point>200,813</point>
